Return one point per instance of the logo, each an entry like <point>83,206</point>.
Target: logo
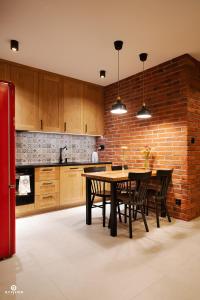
<point>13,290</point>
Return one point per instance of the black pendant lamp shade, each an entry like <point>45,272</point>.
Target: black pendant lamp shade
<point>14,45</point>
<point>144,112</point>
<point>118,107</point>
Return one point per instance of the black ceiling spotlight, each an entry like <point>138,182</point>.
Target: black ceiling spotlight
<point>118,107</point>
<point>144,112</point>
<point>102,73</point>
<point>14,45</point>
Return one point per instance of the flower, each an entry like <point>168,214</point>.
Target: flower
<point>146,151</point>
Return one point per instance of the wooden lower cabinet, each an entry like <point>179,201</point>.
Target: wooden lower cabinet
<point>47,188</point>
<point>57,188</point>
<point>71,186</point>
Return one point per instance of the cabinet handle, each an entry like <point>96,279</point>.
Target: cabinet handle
<point>85,128</point>
<point>65,126</point>
<point>75,169</point>
<point>47,183</point>
<point>46,197</point>
<point>47,170</point>
<point>41,124</point>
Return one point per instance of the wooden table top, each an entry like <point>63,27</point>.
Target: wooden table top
<point>110,176</point>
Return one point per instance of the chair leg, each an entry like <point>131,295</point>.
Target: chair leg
<point>136,210</point>
<point>119,212</point>
<point>157,214</point>
<point>130,221</point>
<point>167,213</point>
<point>144,218</point>
<point>104,212</point>
<point>125,213</point>
<point>147,207</point>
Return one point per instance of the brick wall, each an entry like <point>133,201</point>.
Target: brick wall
<point>194,132</point>
<point>167,92</point>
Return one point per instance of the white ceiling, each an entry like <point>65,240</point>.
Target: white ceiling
<point>75,38</point>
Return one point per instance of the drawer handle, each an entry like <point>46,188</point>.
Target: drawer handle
<point>46,197</point>
<point>47,183</point>
<point>47,170</point>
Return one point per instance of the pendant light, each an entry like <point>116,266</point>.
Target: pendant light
<point>14,45</point>
<point>144,112</point>
<point>118,107</point>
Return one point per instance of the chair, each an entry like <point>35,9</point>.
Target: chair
<point>122,186</point>
<point>98,190</point>
<point>118,168</point>
<point>135,199</point>
<point>160,196</point>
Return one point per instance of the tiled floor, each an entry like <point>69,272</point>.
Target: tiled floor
<point>59,257</point>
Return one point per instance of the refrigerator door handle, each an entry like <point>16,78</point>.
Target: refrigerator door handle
<point>12,186</point>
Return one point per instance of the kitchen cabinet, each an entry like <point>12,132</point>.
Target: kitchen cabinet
<point>47,188</point>
<point>26,97</point>
<point>50,102</point>
<point>73,106</point>
<point>71,186</point>
<point>4,70</point>
<point>93,110</point>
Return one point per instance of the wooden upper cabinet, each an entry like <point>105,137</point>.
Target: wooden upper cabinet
<point>73,106</point>
<point>93,110</point>
<point>4,71</point>
<point>26,97</point>
<point>51,102</point>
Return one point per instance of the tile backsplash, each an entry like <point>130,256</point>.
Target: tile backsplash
<point>44,147</point>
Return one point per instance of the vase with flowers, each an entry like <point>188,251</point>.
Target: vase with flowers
<point>146,151</point>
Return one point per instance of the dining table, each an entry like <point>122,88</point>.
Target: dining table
<point>113,178</point>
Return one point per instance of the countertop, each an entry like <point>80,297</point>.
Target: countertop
<point>63,165</point>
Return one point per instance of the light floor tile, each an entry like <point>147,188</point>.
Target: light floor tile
<point>60,258</point>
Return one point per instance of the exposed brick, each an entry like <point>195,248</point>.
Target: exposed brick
<point>172,92</point>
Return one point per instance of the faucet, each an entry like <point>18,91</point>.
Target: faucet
<point>61,154</point>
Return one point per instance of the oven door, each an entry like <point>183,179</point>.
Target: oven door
<point>24,198</point>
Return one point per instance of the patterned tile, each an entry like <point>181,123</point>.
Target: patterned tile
<point>44,147</point>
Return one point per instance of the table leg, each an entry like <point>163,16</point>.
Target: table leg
<point>88,202</point>
<point>113,213</point>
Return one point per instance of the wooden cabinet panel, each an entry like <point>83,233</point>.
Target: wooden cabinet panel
<point>71,186</point>
<point>73,106</point>
<point>47,201</point>
<point>46,187</point>
<point>47,173</point>
<point>93,110</point>
<point>51,102</point>
<point>4,71</point>
<point>26,97</point>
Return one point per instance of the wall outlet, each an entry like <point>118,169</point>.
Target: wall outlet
<point>178,202</point>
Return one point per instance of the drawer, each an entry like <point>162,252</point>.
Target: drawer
<point>47,173</point>
<point>46,187</point>
<point>47,201</point>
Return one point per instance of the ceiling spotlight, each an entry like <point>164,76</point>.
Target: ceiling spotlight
<point>14,45</point>
<point>102,73</point>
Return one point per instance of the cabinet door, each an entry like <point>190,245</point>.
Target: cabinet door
<point>50,102</point>
<point>93,110</point>
<point>71,186</point>
<point>26,97</point>
<point>4,71</point>
<point>73,106</point>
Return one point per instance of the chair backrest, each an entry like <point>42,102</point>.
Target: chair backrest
<point>117,168</point>
<point>142,180</point>
<point>97,187</point>
<point>165,178</point>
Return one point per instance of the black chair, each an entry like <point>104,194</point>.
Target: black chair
<point>122,186</point>
<point>98,190</point>
<point>159,196</point>
<point>135,199</point>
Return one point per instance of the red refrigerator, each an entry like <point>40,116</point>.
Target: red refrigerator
<point>7,169</point>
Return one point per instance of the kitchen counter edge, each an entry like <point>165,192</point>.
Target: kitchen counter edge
<point>70,164</point>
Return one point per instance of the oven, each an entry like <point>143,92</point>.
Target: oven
<point>25,185</point>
